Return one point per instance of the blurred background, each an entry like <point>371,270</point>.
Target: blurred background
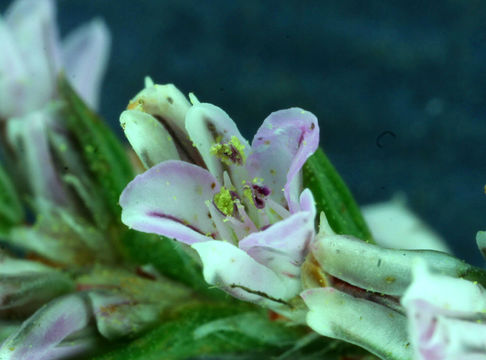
<point>399,87</point>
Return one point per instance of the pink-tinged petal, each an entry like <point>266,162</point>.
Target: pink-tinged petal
<point>33,26</point>
<point>292,235</point>
<point>208,125</point>
<point>169,199</point>
<point>237,273</point>
<point>280,148</point>
<point>282,263</point>
<point>28,137</point>
<point>85,54</point>
<point>13,76</point>
<point>441,334</point>
<point>445,292</point>
<point>307,202</point>
<point>446,316</point>
<point>39,336</point>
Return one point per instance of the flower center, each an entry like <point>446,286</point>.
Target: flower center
<point>231,152</point>
<point>256,194</point>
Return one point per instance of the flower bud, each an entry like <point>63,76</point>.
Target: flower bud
<point>148,138</point>
<point>169,106</point>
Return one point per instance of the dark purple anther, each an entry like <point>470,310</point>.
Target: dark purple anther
<point>261,190</point>
<point>259,194</point>
<point>235,156</point>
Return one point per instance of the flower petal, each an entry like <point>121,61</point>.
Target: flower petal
<point>282,263</point>
<point>148,137</point>
<point>280,148</point>
<point>169,199</point>
<point>283,246</point>
<point>374,327</point>
<point>237,273</point>
<point>39,336</point>
<point>207,125</point>
<point>292,235</point>
<point>33,26</point>
<point>444,292</point>
<point>394,226</point>
<point>28,136</point>
<point>446,316</point>
<point>169,106</point>
<point>85,54</point>
<point>13,76</point>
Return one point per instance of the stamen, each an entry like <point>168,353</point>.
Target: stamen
<point>256,194</point>
<point>223,230</point>
<point>245,221</point>
<point>279,209</point>
<point>230,153</point>
<point>224,202</point>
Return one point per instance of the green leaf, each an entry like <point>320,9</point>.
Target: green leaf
<point>11,212</point>
<point>169,258</point>
<point>101,150</point>
<point>188,333</point>
<point>334,198</point>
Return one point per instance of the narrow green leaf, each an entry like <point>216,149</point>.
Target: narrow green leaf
<point>11,212</point>
<point>186,334</point>
<point>334,198</point>
<point>101,150</point>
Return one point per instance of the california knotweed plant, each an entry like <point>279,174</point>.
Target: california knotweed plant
<point>236,248</point>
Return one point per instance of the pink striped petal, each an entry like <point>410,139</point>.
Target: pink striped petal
<point>292,235</point>
<point>280,148</point>
<point>33,26</point>
<point>39,336</point>
<point>169,199</point>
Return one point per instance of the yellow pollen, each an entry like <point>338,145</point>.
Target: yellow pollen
<point>231,152</point>
<point>224,202</point>
<point>248,194</point>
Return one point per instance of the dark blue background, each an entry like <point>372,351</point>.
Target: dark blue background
<point>415,68</point>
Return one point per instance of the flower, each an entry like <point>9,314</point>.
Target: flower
<point>350,286</point>
<point>32,57</point>
<point>70,290</point>
<point>445,316</point>
<point>243,210</point>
